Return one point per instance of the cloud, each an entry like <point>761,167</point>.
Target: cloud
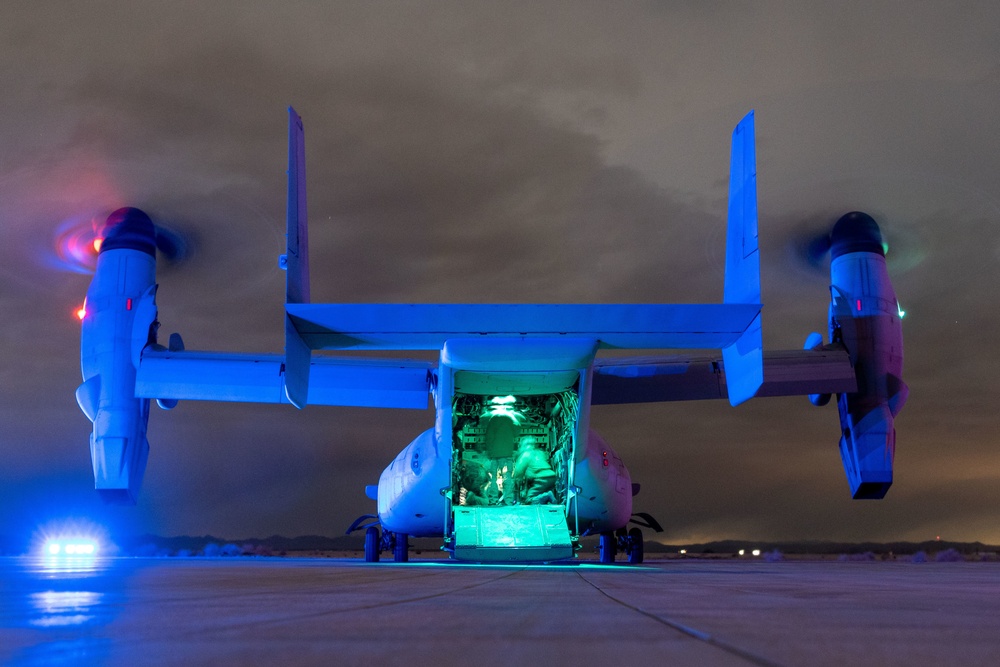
<point>556,152</point>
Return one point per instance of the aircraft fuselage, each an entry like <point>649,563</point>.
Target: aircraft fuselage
<point>512,431</point>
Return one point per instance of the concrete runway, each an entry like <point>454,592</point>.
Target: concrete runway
<point>137,611</point>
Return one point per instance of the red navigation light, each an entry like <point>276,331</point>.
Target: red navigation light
<point>81,312</point>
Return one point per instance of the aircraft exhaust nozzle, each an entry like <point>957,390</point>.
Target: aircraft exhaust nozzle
<point>867,448</point>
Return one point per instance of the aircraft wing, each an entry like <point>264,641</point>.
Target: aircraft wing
<point>682,377</point>
<point>349,381</point>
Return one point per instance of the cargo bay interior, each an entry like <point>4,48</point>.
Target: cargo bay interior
<point>512,465</point>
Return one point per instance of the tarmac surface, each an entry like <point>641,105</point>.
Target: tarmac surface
<point>153,611</point>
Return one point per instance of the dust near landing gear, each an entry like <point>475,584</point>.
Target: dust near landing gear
<point>629,542</point>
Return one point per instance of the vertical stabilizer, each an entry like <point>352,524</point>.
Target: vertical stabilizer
<point>296,263</point>
<point>297,259</point>
<point>744,360</point>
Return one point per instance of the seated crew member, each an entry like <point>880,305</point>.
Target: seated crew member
<point>473,481</point>
<point>534,477</point>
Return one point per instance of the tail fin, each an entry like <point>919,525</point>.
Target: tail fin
<point>297,259</point>
<point>296,263</point>
<point>744,359</point>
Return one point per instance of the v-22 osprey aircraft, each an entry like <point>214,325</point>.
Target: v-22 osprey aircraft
<point>510,469</point>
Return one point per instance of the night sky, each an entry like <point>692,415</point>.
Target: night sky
<point>504,152</point>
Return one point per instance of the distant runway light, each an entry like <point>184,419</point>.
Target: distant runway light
<point>756,552</point>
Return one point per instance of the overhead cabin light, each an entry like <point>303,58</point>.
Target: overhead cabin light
<point>504,405</point>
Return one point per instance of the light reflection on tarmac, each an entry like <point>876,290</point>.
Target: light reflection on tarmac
<point>140,611</point>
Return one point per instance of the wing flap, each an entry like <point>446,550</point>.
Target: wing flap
<point>211,376</point>
<point>619,380</point>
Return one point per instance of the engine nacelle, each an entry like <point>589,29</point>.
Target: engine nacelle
<point>119,320</point>
<point>864,317</point>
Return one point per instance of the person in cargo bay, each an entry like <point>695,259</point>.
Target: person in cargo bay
<point>533,475</point>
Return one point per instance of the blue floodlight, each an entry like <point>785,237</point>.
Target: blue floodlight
<point>70,547</point>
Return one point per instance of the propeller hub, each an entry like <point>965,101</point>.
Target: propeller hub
<point>130,229</point>
<point>855,232</point>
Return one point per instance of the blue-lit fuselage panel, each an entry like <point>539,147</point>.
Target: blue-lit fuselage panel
<point>605,495</point>
<point>410,498</point>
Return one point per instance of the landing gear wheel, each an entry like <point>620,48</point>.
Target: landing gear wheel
<point>608,548</point>
<point>371,544</point>
<point>635,548</point>
<point>401,550</point>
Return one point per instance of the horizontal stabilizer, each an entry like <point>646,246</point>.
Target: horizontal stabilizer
<point>212,376</point>
<point>619,380</point>
<point>428,326</point>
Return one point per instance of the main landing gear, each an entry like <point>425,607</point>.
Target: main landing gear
<point>629,542</point>
<point>377,541</point>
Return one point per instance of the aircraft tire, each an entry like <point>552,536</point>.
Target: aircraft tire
<point>401,550</point>
<point>371,544</point>
<point>608,547</point>
<point>635,547</point>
